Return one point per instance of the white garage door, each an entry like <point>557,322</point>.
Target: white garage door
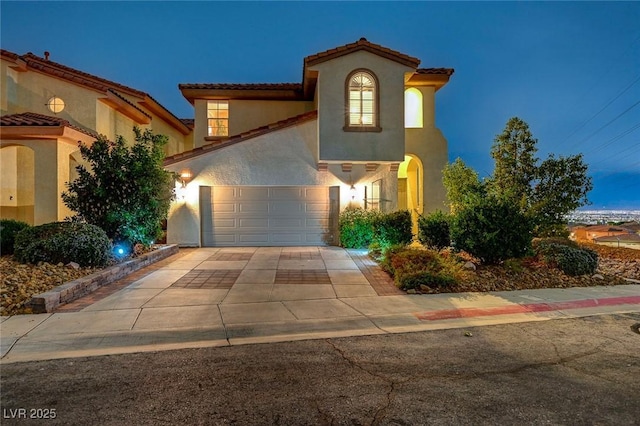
<point>265,215</point>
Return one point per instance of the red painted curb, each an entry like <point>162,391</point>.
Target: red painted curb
<point>526,308</point>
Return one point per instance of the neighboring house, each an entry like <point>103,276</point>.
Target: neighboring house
<point>274,164</point>
<point>623,240</point>
<point>46,109</point>
<point>592,232</point>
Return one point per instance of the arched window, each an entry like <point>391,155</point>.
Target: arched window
<point>362,101</point>
<point>412,108</point>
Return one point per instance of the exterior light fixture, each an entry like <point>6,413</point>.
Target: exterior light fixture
<point>185,177</point>
<point>353,192</point>
<point>55,105</point>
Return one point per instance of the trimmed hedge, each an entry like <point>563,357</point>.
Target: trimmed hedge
<point>64,242</point>
<point>356,227</point>
<point>9,228</point>
<point>393,228</point>
<point>434,230</point>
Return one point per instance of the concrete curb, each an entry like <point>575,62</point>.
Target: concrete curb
<point>72,290</point>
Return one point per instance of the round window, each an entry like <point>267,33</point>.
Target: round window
<point>55,105</point>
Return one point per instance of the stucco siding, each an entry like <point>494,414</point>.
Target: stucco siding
<point>282,158</point>
<point>336,144</point>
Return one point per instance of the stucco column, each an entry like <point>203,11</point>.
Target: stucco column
<point>45,182</point>
<point>428,106</point>
<point>51,174</point>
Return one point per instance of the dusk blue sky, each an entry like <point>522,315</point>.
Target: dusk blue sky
<point>570,70</point>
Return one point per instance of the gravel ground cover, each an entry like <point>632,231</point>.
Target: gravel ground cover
<point>21,281</point>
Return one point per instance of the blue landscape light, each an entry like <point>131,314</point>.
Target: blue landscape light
<point>121,251</point>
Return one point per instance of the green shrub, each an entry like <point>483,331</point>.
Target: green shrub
<point>569,258</point>
<point>126,191</point>
<point>411,268</point>
<point>492,229</point>
<point>393,228</point>
<point>434,230</point>
<point>8,230</point>
<point>416,279</point>
<point>356,227</point>
<point>63,242</point>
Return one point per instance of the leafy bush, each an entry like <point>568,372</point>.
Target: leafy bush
<point>65,242</point>
<point>126,191</point>
<point>8,230</point>
<point>412,268</point>
<point>356,227</point>
<point>492,229</point>
<point>393,228</point>
<point>567,256</point>
<point>434,231</point>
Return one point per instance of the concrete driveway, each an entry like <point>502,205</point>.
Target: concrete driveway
<point>226,296</point>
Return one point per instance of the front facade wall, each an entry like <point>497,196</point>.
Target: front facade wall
<point>336,144</point>
<point>245,115</point>
<point>430,146</point>
<point>30,91</point>
<point>282,158</point>
<point>42,169</point>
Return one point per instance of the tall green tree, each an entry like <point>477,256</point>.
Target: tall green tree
<point>514,153</point>
<point>544,192</point>
<point>561,186</point>
<point>126,190</point>
<point>462,183</point>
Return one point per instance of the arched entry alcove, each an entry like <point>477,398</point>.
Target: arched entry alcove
<point>17,187</point>
<point>410,191</point>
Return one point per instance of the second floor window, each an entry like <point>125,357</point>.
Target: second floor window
<point>362,98</point>
<point>218,118</point>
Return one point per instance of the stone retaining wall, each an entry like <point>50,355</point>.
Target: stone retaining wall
<point>72,290</point>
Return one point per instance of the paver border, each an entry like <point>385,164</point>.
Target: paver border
<point>72,290</point>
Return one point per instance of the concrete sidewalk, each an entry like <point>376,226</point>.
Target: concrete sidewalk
<point>230,296</point>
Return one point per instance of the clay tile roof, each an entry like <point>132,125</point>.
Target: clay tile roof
<point>189,122</point>
<point>119,96</point>
<point>445,71</point>
<point>33,119</point>
<point>242,86</point>
<point>53,68</point>
<point>250,134</point>
<point>362,44</point>
<point>10,55</point>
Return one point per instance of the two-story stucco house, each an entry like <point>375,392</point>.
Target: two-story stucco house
<point>274,164</point>
<point>46,109</point>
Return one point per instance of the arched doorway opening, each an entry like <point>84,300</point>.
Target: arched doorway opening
<point>17,187</point>
<point>410,191</point>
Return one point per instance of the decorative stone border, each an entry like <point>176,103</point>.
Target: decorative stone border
<point>72,290</point>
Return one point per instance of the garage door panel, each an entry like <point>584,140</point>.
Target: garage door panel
<point>287,223</point>
<point>251,193</point>
<point>224,193</point>
<point>285,193</point>
<point>253,206</point>
<point>317,208</point>
<point>319,194</point>
<point>253,239</point>
<point>322,223</point>
<point>262,216</point>
<point>286,207</point>
<point>223,207</point>
<point>250,222</point>
<point>229,223</point>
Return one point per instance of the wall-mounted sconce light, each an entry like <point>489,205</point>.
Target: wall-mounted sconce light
<point>185,177</point>
<point>353,192</point>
